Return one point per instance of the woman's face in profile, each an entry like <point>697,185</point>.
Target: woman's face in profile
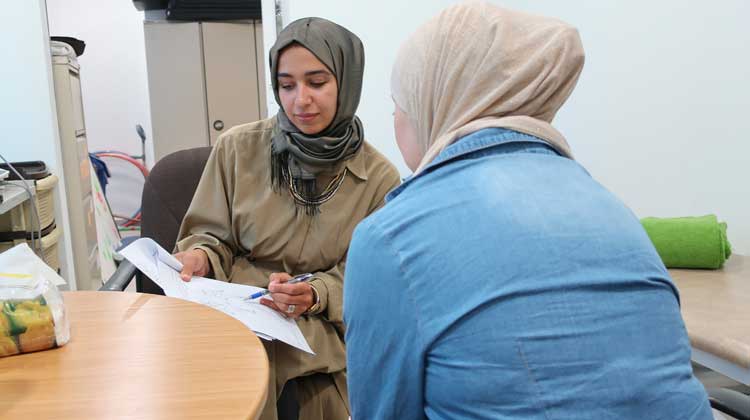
<point>406,138</point>
<point>307,89</point>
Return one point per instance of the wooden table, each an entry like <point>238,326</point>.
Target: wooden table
<point>141,356</point>
<point>716,309</point>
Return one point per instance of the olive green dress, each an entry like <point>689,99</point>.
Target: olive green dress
<point>249,231</point>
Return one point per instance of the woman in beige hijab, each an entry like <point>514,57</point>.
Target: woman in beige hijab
<point>281,197</point>
<point>501,281</point>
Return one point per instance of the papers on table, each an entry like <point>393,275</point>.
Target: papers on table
<point>163,268</point>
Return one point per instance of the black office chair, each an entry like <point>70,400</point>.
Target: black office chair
<point>167,194</point>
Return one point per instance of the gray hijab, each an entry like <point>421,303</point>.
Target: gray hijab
<point>300,156</point>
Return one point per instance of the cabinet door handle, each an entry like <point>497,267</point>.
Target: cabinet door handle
<point>218,125</point>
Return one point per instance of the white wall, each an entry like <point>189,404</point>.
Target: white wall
<point>659,115</point>
<point>28,122</point>
<point>27,107</point>
<point>114,85</point>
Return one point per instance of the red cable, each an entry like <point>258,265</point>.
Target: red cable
<point>138,165</point>
<point>127,158</point>
<point>135,220</point>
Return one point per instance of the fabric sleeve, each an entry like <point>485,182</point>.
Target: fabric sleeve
<point>385,360</point>
<point>389,179</point>
<point>329,284</point>
<point>208,222</point>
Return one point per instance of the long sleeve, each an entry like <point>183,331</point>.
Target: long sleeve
<point>330,283</point>
<point>384,360</point>
<point>208,222</point>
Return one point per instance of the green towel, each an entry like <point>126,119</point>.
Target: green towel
<point>689,242</point>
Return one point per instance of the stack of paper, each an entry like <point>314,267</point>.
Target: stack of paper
<point>161,267</point>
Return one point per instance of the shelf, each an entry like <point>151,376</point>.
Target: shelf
<point>13,196</point>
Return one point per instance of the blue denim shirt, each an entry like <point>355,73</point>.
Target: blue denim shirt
<point>503,282</point>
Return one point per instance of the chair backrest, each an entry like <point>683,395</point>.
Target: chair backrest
<point>167,194</point>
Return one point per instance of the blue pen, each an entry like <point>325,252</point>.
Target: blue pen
<point>296,279</point>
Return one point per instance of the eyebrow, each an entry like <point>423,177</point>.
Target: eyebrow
<point>308,73</point>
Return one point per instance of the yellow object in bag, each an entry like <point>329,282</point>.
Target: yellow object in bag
<point>8,344</point>
<point>32,322</point>
<point>32,313</point>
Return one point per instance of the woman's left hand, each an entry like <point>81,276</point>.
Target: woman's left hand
<point>290,300</point>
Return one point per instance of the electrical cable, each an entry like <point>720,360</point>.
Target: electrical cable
<point>136,218</point>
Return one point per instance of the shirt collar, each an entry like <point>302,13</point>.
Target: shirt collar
<point>356,165</point>
<point>479,140</point>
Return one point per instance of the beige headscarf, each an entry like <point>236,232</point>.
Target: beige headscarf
<point>476,65</point>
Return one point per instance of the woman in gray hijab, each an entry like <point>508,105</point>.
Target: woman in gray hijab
<point>282,196</point>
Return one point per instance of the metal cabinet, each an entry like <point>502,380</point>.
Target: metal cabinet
<point>204,78</point>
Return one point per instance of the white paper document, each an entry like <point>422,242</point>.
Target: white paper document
<point>164,269</point>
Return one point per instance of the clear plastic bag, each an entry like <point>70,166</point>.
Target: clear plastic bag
<point>32,311</point>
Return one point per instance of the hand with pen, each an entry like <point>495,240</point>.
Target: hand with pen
<point>289,299</point>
